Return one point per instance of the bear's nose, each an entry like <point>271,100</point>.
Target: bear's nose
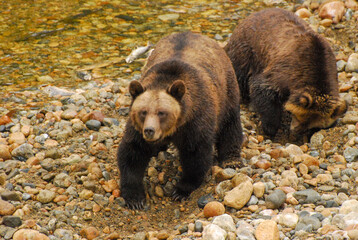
<point>149,132</point>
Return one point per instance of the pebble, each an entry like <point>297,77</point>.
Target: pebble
<point>4,152</point>
<point>63,234</point>
<point>214,232</point>
<point>203,200</point>
<point>350,154</point>
<point>6,208</point>
<point>89,233</point>
<point>239,196</point>
<point>23,151</point>
<point>288,220</point>
<point>352,63</point>
<point>332,10</point>
<point>24,234</point>
<point>46,196</point>
<point>93,125</point>
<point>275,199</point>
<point>11,221</point>
<point>267,230</point>
<point>303,13</point>
<point>259,189</point>
<point>225,221</point>
<point>213,209</point>
<point>307,196</point>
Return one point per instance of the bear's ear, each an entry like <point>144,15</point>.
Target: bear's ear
<point>177,89</point>
<point>305,100</point>
<point>135,88</point>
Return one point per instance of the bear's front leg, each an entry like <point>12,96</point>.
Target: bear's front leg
<point>133,157</point>
<point>195,161</point>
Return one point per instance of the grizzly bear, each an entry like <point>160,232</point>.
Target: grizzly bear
<point>282,64</point>
<point>187,95</point>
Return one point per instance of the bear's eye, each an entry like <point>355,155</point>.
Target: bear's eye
<point>142,114</point>
<point>162,114</point>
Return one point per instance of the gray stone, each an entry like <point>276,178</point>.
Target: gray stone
<point>307,196</point>
<point>253,200</point>
<point>304,223</point>
<point>93,125</point>
<point>350,154</point>
<point>10,196</point>
<point>25,150</point>
<point>100,200</point>
<point>198,227</point>
<point>11,221</point>
<point>275,199</point>
<point>225,221</point>
<point>223,187</point>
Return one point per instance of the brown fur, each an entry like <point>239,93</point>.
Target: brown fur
<point>188,95</point>
<point>282,64</point>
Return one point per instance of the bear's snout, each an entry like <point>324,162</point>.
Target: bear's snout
<point>149,132</point>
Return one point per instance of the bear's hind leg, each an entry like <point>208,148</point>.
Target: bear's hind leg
<point>229,140</point>
<point>195,161</point>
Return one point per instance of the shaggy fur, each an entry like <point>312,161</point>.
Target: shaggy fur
<point>282,64</point>
<point>201,109</point>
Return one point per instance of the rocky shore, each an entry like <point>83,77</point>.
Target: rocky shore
<point>59,176</point>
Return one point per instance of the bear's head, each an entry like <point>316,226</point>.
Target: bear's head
<point>155,112</point>
<point>313,111</point>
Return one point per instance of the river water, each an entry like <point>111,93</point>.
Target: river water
<point>46,42</point>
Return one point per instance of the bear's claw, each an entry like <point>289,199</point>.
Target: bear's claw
<point>133,204</point>
<point>179,195</point>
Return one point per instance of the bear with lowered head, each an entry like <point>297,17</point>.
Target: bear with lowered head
<point>282,64</point>
<point>188,95</point>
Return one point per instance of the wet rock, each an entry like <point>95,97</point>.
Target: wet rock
<point>11,221</point>
<point>275,199</point>
<point>23,234</point>
<point>214,232</point>
<point>239,196</point>
<point>267,230</point>
<point>332,10</point>
<point>225,221</point>
<point>352,63</point>
<point>46,196</point>
<point>213,209</point>
<point>89,233</point>
<point>6,208</point>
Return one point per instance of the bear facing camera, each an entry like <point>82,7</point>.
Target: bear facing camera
<point>282,64</point>
<point>188,95</point>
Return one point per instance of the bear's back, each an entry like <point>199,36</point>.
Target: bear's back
<point>285,47</point>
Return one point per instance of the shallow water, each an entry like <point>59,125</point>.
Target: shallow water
<point>46,42</point>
